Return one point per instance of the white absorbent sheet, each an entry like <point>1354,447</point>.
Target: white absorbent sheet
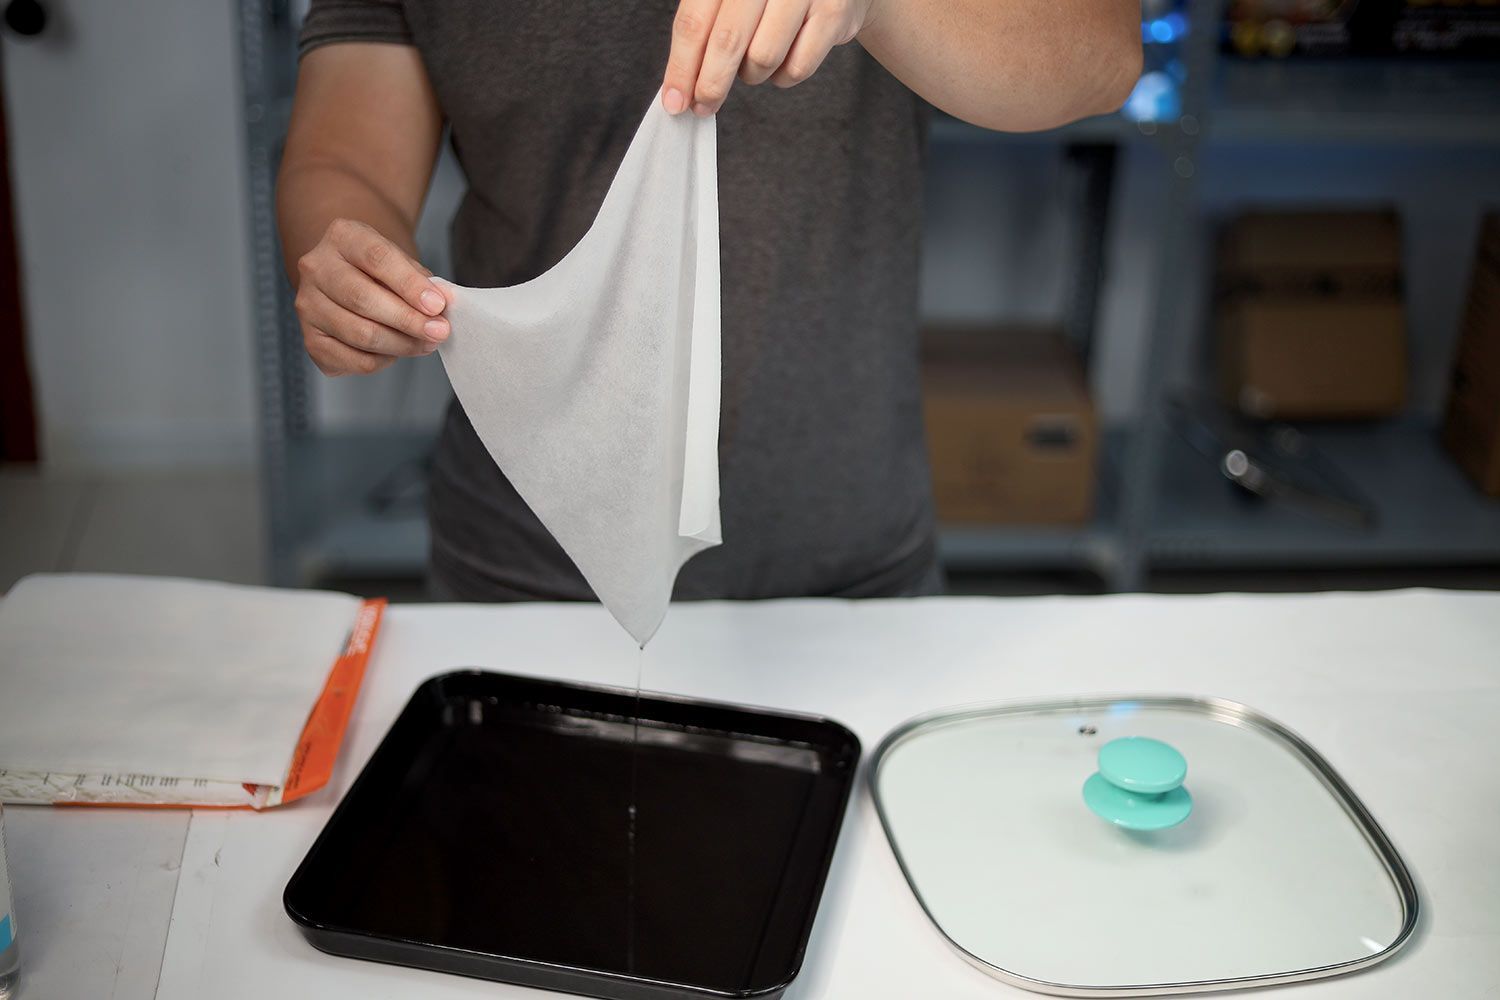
<point>595,386</point>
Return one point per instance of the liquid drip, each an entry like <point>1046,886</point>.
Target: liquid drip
<point>635,753</point>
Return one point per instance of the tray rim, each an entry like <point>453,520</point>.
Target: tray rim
<point>318,933</point>
<point>1222,710</point>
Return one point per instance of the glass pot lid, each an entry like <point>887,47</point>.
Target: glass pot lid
<point>1138,846</point>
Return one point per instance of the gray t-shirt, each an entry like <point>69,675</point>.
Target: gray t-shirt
<point>823,468</point>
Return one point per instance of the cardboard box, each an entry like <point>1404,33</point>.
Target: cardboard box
<point>1471,428</point>
<point>1010,427</point>
<point>1310,323</point>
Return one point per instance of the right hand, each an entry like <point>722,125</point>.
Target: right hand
<point>364,303</point>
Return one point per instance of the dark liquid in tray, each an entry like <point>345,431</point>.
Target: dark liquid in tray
<point>507,830</point>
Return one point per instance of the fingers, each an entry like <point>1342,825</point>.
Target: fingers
<point>323,314</point>
<point>784,41</point>
<point>690,30</point>
<point>773,39</point>
<point>355,291</point>
<point>736,24</point>
<point>825,27</point>
<point>387,263</point>
<point>334,358</point>
<point>364,303</point>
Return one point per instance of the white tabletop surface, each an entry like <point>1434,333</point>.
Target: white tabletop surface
<point>1401,692</point>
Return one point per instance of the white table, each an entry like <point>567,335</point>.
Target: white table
<point>1400,691</point>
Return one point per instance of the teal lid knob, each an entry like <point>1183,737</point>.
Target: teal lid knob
<point>1139,784</point>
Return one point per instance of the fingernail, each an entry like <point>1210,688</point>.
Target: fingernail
<point>673,101</point>
<point>432,301</point>
<point>435,329</point>
<point>702,110</point>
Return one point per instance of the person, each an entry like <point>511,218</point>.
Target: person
<point>825,484</point>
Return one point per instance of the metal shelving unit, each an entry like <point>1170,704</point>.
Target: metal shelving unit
<point>1173,509</point>
<point>1404,103</point>
<point>1188,516</point>
<point>268,71</point>
<point>1427,513</point>
<point>1161,505</point>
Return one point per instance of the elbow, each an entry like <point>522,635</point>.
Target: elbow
<point>1101,78</point>
<point>1104,79</point>
<point>1115,77</point>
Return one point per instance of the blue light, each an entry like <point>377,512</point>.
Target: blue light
<point>1161,30</point>
<point>1154,99</point>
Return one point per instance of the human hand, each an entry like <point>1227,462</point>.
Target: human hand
<point>363,302</point>
<point>784,41</point>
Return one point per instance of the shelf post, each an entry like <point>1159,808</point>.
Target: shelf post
<point>268,75</point>
<point>1169,331</point>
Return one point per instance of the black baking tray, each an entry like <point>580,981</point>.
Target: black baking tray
<point>490,836</point>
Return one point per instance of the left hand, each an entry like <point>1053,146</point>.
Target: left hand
<point>784,41</point>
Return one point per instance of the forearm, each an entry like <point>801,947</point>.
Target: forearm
<point>1011,65</point>
<point>361,146</point>
<point>359,155</point>
<point>311,194</point>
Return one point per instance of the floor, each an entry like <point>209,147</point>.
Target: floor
<point>208,524</point>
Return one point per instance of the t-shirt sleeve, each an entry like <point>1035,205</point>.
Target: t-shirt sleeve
<point>331,21</point>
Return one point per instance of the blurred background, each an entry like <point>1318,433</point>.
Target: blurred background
<point>1244,334</point>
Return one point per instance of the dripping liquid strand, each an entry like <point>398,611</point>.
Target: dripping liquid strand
<point>635,752</point>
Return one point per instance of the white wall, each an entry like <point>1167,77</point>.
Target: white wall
<point>127,165</point>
